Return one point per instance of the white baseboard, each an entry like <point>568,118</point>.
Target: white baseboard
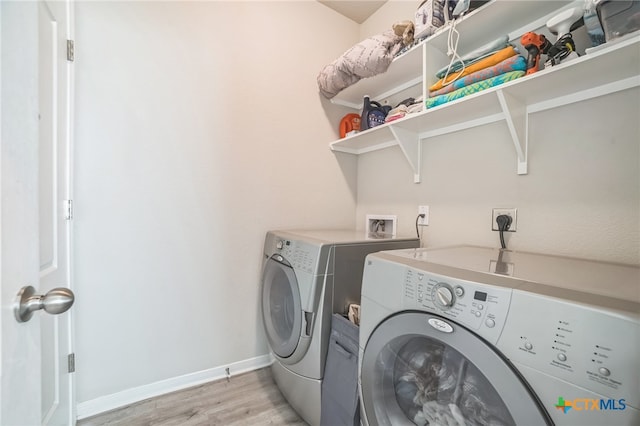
<point>109,402</point>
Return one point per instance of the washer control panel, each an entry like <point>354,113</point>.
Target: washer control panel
<point>482,308</point>
<point>592,348</point>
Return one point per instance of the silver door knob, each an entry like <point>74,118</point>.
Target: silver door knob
<point>56,301</point>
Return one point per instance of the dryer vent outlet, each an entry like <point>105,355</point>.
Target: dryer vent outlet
<point>381,225</point>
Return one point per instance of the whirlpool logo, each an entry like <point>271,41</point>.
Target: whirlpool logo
<point>587,404</point>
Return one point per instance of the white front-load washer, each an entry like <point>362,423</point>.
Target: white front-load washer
<point>478,336</point>
<point>307,276</point>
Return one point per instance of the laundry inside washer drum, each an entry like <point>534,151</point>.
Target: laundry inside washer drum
<point>435,384</point>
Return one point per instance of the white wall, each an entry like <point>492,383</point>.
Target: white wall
<point>384,18</point>
<point>198,127</point>
<point>580,198</point>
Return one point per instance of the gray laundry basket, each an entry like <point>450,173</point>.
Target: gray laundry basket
<point>340,404</point>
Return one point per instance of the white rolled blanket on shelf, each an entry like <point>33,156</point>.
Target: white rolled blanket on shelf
<point>366,59</point>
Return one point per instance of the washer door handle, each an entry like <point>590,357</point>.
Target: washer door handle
<point>56,301</point>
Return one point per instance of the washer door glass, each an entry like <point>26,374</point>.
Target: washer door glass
<point>413,374</point>
<point>281,307</point>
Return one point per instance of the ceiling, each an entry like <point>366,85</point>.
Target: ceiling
<point>357,11</point>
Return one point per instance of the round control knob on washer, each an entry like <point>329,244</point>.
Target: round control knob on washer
<point>443,295</point>
<point>490,323</point>
<point>562,357</point>
<point>459,291</point>
<point>604,371</point>
<point>528,346</point>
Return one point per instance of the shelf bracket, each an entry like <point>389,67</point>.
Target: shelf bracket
<point>409,142</point>
<point>515,114</point>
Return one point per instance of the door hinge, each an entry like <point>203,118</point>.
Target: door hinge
<point>71,362</point>
<point>70,50</point>
<point>68,214</point>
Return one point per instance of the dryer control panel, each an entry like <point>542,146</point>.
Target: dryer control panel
<point>479,307</point>
<point>308,262</point>
<point>303,257</point>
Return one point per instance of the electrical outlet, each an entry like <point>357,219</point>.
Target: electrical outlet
<point>423,221</point>
<point>508,212</point>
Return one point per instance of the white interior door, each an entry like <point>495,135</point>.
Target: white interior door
<point>54,22</point>
<point>35,184</point>
<point>20,342</point>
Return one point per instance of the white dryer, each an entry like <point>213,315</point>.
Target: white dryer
<point>307,276</point>
<point>478,336</point>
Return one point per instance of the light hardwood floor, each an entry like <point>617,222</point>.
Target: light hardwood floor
<point>247,399</point>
